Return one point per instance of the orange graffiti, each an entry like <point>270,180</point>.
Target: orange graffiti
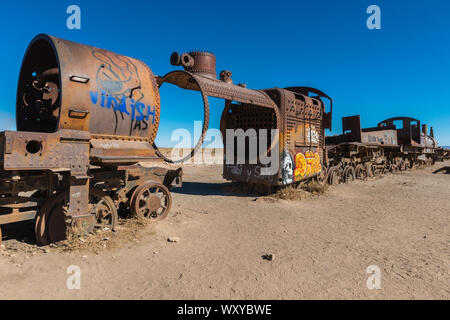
<point>307,164</point>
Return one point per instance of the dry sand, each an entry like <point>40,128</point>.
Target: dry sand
<point>321,245</point>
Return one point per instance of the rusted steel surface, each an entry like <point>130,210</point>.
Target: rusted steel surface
<point>151,200</point>
<point>397,143</point>
<point>85,118</point>
<point>408,129</point>
<point>352,132</point>
<point>123,179</point>
<point>306,91</point>
<point>178,78</point>
<point>196,62</point>
<point>100,91</point>
<point>122,151</point>
<point>200,75</point>
<point>63,150</point>
<point>79,87</point>
<point>384,137</point>
<point>217,88</point>
<point>297,112</point>
<point>300,121</point>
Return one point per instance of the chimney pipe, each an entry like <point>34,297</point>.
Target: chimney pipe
<point>425,129</point>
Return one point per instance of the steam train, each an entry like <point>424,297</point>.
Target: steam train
<point>395,144</point>
<point>87,119</point>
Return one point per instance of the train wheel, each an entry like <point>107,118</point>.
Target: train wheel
<point>100,205</point>
<point>408,164</point>
<point>349,174</point>
<point>377,171</point>
<point>329,176</point>
<point>104,209</point>
<point>360,172</point>
<point>369,169</point>
<point>404,165</point>
<point>151,200</point>
<point>321,178</point>
<point>333,177</point>
<point>392,168</point>
<point>401,166</point>
<point>51,224</point>
<point>40,227</point>
<point>57,226</point>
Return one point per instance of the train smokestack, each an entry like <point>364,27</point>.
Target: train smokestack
<point>425,129</point>
<point>196,62</point>
<point>431,132</point>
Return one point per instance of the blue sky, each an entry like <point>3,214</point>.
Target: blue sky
<point>401,70</point>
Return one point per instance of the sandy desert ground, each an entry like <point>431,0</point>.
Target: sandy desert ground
<point>322,246</point>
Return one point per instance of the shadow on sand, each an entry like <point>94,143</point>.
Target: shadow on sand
<point>20,231</point>
<point>215,189</point>
<point>445,170</point>
<point>24,231</point>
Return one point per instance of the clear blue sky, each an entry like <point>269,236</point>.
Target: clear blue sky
<point>401,70</point>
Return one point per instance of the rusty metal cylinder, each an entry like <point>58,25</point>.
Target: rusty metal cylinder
<point>196,62</point>
<point>66,85</point>
<point>425,129</point>
<point>204,64</point>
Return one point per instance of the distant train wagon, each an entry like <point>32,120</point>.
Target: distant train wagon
<point>394,144</point>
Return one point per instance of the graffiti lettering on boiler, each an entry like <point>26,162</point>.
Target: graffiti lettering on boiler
<point>137,111</point>
<point>307,164</point>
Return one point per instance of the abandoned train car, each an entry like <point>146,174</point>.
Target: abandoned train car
<point>85,118</point>
<point>394,144</point>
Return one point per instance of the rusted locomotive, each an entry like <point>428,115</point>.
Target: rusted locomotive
<point>287,124</point>
<point>394,144</point>
<point>300,118</point>
<point>85,118</point>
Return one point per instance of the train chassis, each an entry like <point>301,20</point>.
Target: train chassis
<point>43,196</point>
<point>351,161</point>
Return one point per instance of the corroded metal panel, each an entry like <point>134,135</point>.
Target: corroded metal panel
<point>386,137</point>
<point>64,150</point>
<point>67,85</point>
